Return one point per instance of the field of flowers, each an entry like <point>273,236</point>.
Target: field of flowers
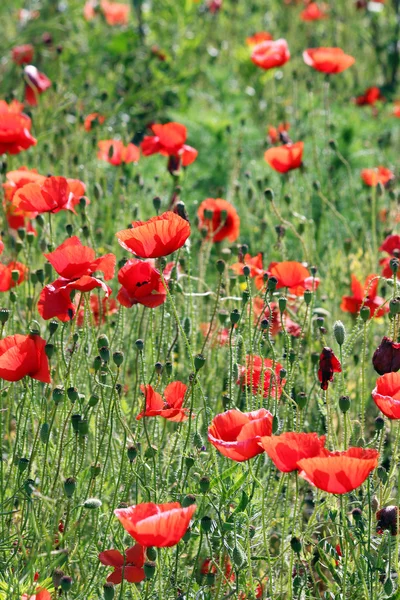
<point>199,300</point>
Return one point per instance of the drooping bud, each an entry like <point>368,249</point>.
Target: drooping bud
<point>386,358</point>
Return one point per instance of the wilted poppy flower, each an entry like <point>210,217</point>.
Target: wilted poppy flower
<point>236,434</point>
<point>387,519</point>
<point>262,375</point>
<point>53,195</point>
<point>339,472</point>
<point>40,594</point>
<point>99,309</point>
<point>169,140</point>
<point>159,525</point>
<point>328,365</point>
<point>270,54</point>
<point>115,13</point>
<point>380,175</point>
<point>287,449</point>
<point>386,358</point>
<point>370,96</point>
<point>90,119</point>
<point>285,158</point>
<point>313,12</point>
<point>15,130</point>
<point>115,153</point>
<point>220,219</point>
<point>22,356</point>
<point>35,84</point>
<point>170,408</point>
<point>22,55</point>
<point>128,567</point>
<point>75,264</point>
<point>386,395</point>
<point>328,60</point>
<point>294,276</point>
<point>352,304</point>
<point>159,236</point>
<point>141,284</point>
<point>257,38</point>
<point>278,133</point>
<point>6,280</point>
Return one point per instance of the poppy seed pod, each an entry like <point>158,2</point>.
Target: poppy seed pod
<point>66,583</point>
<point>56,577</point>
<point>58,394</point>
<point>272,283</point>
<point>118,358</point>
<point>204,484</point>
<point>69,486</point>
<point>4,315</point>
<point>220,264</point>
<point>307,296</point>
<point>139,345</point>
<point>235,316</point>
<point>379,423</point>
<point>102,342</point>
<point>394,306</point>
<point>189,500</point>
<point>206,524</point>
<point>108,591</point>
<point>282,304</point>
<point>75,419</point>
<point>295,544</point>
<point>365,313</point>
<point>72,394</point>
<point>344,404</point>
<point>268,194</point>
<point>149,569</point>
<point>394,265</point>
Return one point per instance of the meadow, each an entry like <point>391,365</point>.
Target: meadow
<point>199,300</point>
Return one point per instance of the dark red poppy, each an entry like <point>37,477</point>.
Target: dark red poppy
<point>339,472</point>
<point>313,12</point>
<point>169,140</point>
<point>141,284</point>
<point>53,195</point>
<point>372,177</point>
<point>285,158</point>
<point>328,365</point>
<point>128,566</point>
<point>270,54</point>
<point>171,408</point>
<point>257,38</point>
<point>364,296</point>
<point>220,219</point>
<point>15,130</point>
<point>22,55</point>
<point>159,525</point>
<point>99,309</point>
<point>287,449</point>
<point>370,97</point>
<point>91,119</point>
<point>75,264</point>
<point>236,434</point>
<point>387,520</point>
<point>35,84</point>
<point>386,358</point>
<point>294,276</point>
<point>115,153</point>
<point>22,356</point>
<point>159,236</point>
<point>328,60</point>
<point>6,280</point>
<point>386,395</point>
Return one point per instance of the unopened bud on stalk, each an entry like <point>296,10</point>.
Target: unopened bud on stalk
<point>307,296</point>
<point>238,557</point>
<point>365,313</point>
<point>66,583</point>
<point>118,358</point>
<point>75,419</point>
<point>168,368</point>
<point>295,544</point>
<point>394,306</point>
<point>108,591</point>
<point>199,362</point>
<point>96,363</point>
<point>92,503</point>
<point>204,484</point>
<point>188,500</point>
<point>132,452</point>
<point>344,404</point>
<point>246,271</point>
<point>104,353</point>
<point>4,315</point>
<point>394,265</point>
<point>23,464</point>
<point>69,486</point>
<point>49,350</point>
<point>15,275</point>
<point>206,524</point>
<point>157,203</point>
<point>382,474</point>
<point>139,345</point>
<point>58,394</point>
<point>102,341</point>
<point>301,400</point>
<point>282,304</point>
<point>235,316</point>
<point>149,569</point>
<point>268,194</point>
<point>220,264</point>
<point>72,394</point>
<point>53,326</point>
<point>245,296</point>
<point>379,423</point>
<point>339,332</point>
<point>83,427</point>
<point>272,283</point>
<point>69,229</point>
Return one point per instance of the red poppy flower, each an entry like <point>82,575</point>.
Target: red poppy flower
<point>159,525</point>
<point>255,264</point>
<point>328,365</point>
<point>391,245</point>
<point>259,372</point>
<point>285,158</point>
<point>141,284</point>
<point>287,449</point>
<point>88,123</point>
<point>22,55</point>
<point>100,310</point>
<point>169,140</point>
<point>339,472</point>
<point>128,567</point>
<point>115,13</point>
<point>270,54</point>
<point>257,38</point>
<point>159,236</point>
<point>386,395</point>
<point>40,594</point>
<point>6,281</point>
<point>364,296</point>
<point>16,217</point>
<point>294,276</point>
<point>370,96</point>
<point>35,84</point>
<point>313,13</point>
<point>115,153</point>
<point>380,175</point>
<point>277,133</point>
<point>214,6</point>
<point>208,565</point>
<point>15,130</point>
<point>274,318</point>
<point>75,264</point>
<point>224,221</point>
<point>328,60</point>
<point>53,195</point>
<point>396,111</point>
<point>236,434</point>
<point>23,355</point>
<point>170,408</point>
<point>386,358</point>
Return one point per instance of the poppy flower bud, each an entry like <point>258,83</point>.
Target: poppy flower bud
<point>40,220</point>
<point>206,524</point>
<point>379,423</point>
<point>58,394</point>
<point>139,345</point>
<point>92,503</point>
<point>382,474</point>
<point>132,453</point>
<point>204,484</point>
<point>357,514</point>
<point>295,544</point>
<point>23,464</point>
<point>292,356</point>
<point>44,433</point>
<point>66,583</point>
<point>151,553</point>
<point>394,265</point>
<point>268,194</point>
<point>157,203</point>
<point>108,591</point>
<point>307,296</point>
<point>48,270</point>
<point>220,264</point>
<point>72,394</point>
<point>30,237</point>
<point>189,462</point>
<point>69,229</point>
<point>339,332</point>
<point>365,313</point>
<point>21,233</point>
<point>69,486</point>
<point>56,577</point>
<point>394,306</point>
<point>235,316</point>
<point>168,368</point>
<point>13,297</point>
<point>18,247</point>
<point>93,400</point>
<point>4,315</point>
<point>149,569</point>
<point>199,362</point>
<point>238,557</point>
<point>49,350</point>
<point>282,374</point>
<point>282,304</point>
<point>188,500</point>
<point>272,283</point>
<point>40,275</point>
<point>344,404</point>
<point>387,520</point>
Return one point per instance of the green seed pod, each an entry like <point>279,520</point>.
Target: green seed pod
<point>139,345</point>
<point>13,297</point>
<point>53,326</point>
<point>66,583</point>
<point>238,556</point>
<point>69,487</point>
<point>220,264</point>
<point>189,462</point>
<point>48,270</point>
<point>268,194</point>
<point>93,400</point>
<point>272,283</point>
<point>188,500</point>
<point>151,553</point>
<point>282,304</point>
<point>379,423</point>
<point>92,503</point>
<point>96,363</point>
<point>308,296</point>
<point>72,394</point>
<point>102,341</point>
<point>301,400</point>
<point>344,404</point>
<point>69,229</point>
<point>34,278</point>
<point>104,353</point>
<point>30,237</point>
<point>206,524</point>
<point>204,484</point>
<point>199,362</point>
<point>168,368</point>
<point>210,579</point>
<point>245,296</point>
<point>23,464</point>
<point>118,358</point>
<point>187,536</point>
<point>58,394</point>
<point>235,316</point>
<point>187,326</point>
<point>295,544</point>
<point>49,350</point>
<point>83,427</point>
<point>394,265</point>
<point>339,332</point>
<point>246,271</point>
<point>394,306</point>
<point>132,453</point>
<point>275,424</point>
<point>75,419</point>
<point>4,315</point>
<point>149,569</point>
<point>197,440</point>
<point>95,470</point>
<point>382,474</point>
<point>44,433</point>
<point>365,313</point>
<point>108,591</point>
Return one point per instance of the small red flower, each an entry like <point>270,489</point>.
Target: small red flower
<point>257,38</point>
<point>278,133</point>
<point>100,309</point>
<point>364,296</point>
<point>159,525</point>
<point>236,434</point>
<point>35,84</point>
<point>6,281</point>
<point>22,356</point>
<point>255,264</point>
<point>339,472</point>
<point>115,153</point>
<point>170,408</point>
<point>22,55</point>
<point>313,13</point>
<point>294,276</point>
<point>40,594</point>
<point>15,130</point>
<point>262,375</point>
<point>270,54</point>
<point>274,318</point>
<point>141,284</point>
<point>372,177</point>
<point>169,140</point>
<point>386,395</point>
<point>328,365</point>
<point>285,158</point>
<point>159,236</point>
<point>224,221</point>
<point>370,97</point>
<point>328,60</point>
<point>90,119</point>
<point>115,13</point>
<point>128,567</point>
<point>287,449</point>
